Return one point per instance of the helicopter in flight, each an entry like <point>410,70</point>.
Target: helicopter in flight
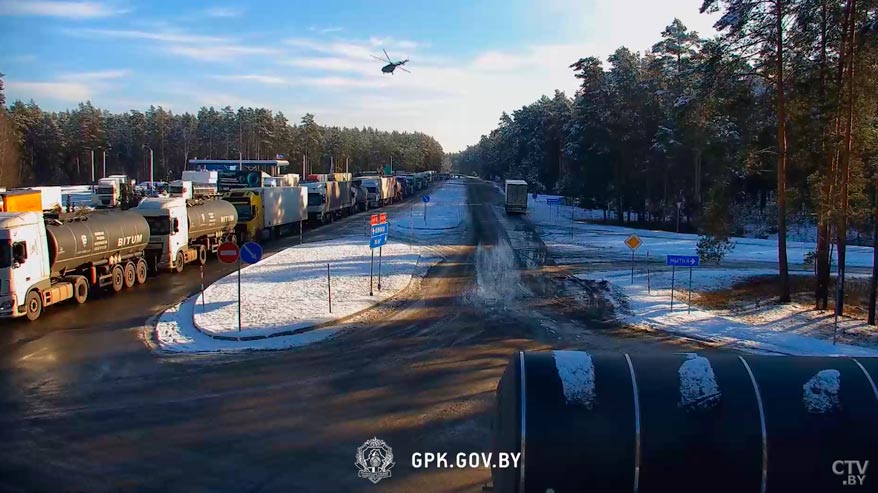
<point>391,66</point>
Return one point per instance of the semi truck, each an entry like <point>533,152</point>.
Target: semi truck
<point>266,211</point>
<point>21,201</point>
<point>50,197</point>
<point>108,191</point>
<point>183,231</point>
<point>328,200</point>
<point>380,190</point>
<point>516,196</point>
<point>44,261</point>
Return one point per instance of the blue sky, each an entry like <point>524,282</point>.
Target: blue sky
<point>470,60</point>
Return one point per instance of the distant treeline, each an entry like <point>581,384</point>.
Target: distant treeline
<point>44,148</point>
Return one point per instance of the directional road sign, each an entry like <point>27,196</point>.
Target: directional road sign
<point>425,198</point>
<point>555,201</point>
<point>377,241</point>
<point>228,252</point>
<point>382,218</point>
<point>634,242</point>
<point>251,252</point>
<point>380,229</point>
<point>683,260</point>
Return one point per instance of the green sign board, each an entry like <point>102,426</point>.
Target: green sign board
<point>388,169</point>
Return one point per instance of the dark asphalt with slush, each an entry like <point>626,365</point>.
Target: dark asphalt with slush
<point>86,405</point>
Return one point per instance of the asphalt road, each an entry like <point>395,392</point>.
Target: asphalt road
<point>86,406</point>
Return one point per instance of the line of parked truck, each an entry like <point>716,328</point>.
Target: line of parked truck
<point>48,255</point>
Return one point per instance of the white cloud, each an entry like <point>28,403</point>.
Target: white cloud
<point>262,79</point>
<point>326,30</point>
<point>70,10</point>
<point>219,52</point>
<point>224,12</point>
<point>195,46</point>
<point>99,75</point>
<point>68,92</point>
<point>163,36</point>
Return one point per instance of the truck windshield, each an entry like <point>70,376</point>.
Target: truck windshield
<point>315,199</point>
<point>105,190</point>
<point>243,209</point>
<point>5,254</point>
<point>159,225</point>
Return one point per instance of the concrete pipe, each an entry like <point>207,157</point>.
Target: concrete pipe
<point>687,422</point>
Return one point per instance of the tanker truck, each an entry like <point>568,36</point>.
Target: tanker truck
<point>183,231</point>
<point>44,261</point>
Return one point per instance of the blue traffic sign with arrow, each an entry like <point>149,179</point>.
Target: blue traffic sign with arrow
<point>682,261</point>
<point>251,252</point>
<point>377,241</point>
<point>425,198</point>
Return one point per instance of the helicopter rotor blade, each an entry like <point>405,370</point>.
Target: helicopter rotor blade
<point>379,59</point>
<point>404,70</point>
<point>385,54</point>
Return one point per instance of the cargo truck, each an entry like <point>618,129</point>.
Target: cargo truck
<point>21,201</point>
<point>380,190</point>
<point>329,200</point>
<point>516,196</point>
<point>266,211</point>
<point>44,261</point>
<point>51,197</point>
<point>183,231</point>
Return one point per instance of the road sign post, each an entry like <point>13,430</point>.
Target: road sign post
<point>675,261</point>
<point>371,266</point>
<point>329,287</point>
<point>201,267</point>
<point>377,239</point>
<point>425,199</point>
<point>229,253</point>
<point>379,267</point>
<point>633,242</point>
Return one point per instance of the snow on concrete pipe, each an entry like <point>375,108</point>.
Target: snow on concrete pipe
<point>686,422</point>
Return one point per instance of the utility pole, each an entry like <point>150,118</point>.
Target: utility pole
<point>92,165</point>
<point>151,167</point>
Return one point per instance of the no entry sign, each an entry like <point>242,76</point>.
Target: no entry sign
<point>228,252</point>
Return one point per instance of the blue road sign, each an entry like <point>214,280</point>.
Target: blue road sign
<point>683,260</point>
<point>377,241</point>
<point>380,229</point>
<point>425,198</point>
<point>251,252</point>
<point>553,201</point>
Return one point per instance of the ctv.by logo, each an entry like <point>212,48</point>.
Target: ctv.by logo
<point>854,471</point>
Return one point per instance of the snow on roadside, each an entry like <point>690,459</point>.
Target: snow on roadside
<point>176,333</point>
<point>786,329</point>
<point>562,234</point>
<point>785,334</point>
<point>288,291</point>
<point>445,212</point>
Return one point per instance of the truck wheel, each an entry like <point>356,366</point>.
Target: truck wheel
<point>141,271</point>
<point>34,304</point>
<point>118,278</point>
<point>179,262</point>
<point>130,275</point>
<point>80,290</point>
<point>202,255</point>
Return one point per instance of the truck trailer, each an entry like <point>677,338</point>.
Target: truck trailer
<point>44,261</point>
<point>516,196</point>
<point>329,200</point>
<point>21,201</point>
<point>265,211</point>
<point>183,231</point>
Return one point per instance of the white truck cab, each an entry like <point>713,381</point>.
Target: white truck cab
<point>168,230</point>
<point>24,259</point>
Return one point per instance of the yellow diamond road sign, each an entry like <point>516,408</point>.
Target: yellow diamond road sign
<point>633,242</point>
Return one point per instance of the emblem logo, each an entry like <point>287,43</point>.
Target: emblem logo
<point>374,460</point>
<point>84,239</point>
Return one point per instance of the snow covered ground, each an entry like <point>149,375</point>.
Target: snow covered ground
<point>289,290</point>
<point>563,234</point>
<point>597,252</point>
<point>286,294</point>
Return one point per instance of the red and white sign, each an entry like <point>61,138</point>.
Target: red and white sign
<point>382,218</point>
<point>228,252</point>
<point>374,219</point>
